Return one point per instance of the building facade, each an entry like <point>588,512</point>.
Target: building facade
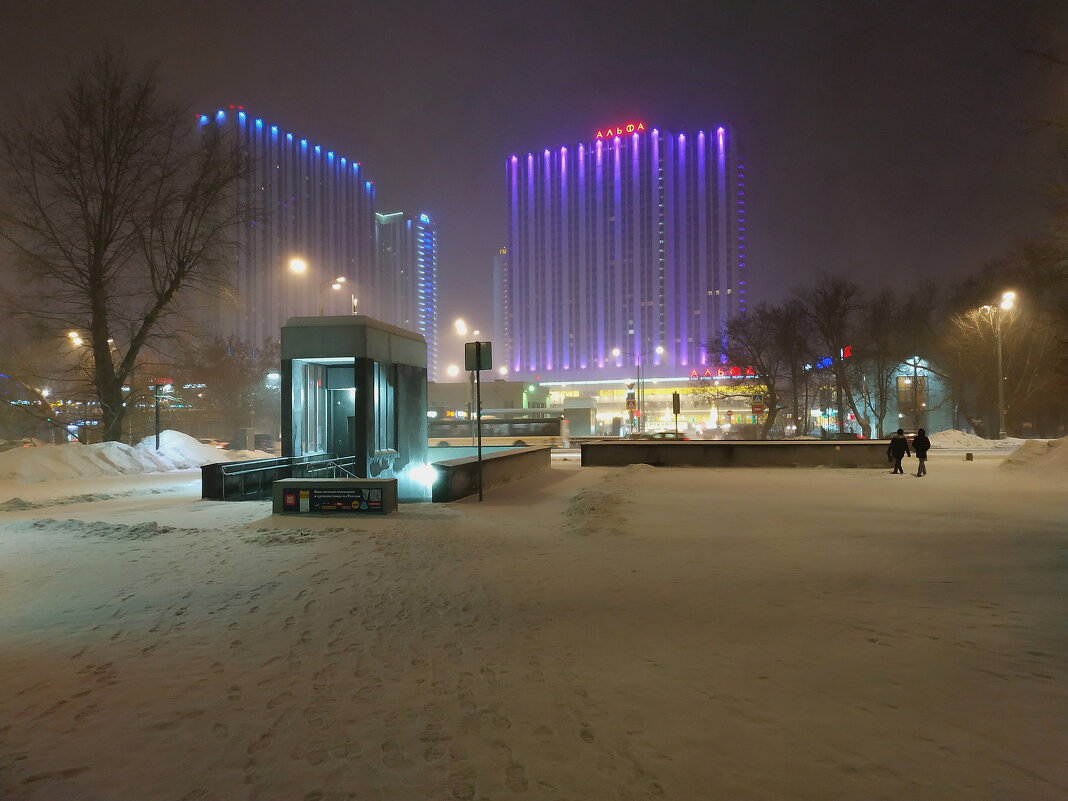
<point>627,248</point>
<point>408,263</point>
<point>501,299</point>
<point>310,204</point>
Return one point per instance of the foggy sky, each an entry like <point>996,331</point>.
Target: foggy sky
<point>886,141</point>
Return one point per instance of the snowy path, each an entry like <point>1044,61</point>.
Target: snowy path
<point>595,634</point>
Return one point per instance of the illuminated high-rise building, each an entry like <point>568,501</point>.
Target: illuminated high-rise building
<point>632,242</point>
<point>501,299</point>
<point>315,210</point>
<point>408,267</point>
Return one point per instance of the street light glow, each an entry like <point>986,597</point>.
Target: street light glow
<point>616,352</point>
<point>298,265</point>
<point>503,371</point>
<point>452,371</point>
<point>659,349</point>
<point>1007,299</point>
<point>460,326</point>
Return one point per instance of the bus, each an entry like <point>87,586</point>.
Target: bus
<point>508,427</point>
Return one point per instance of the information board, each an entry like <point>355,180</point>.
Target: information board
<point>333,499</point>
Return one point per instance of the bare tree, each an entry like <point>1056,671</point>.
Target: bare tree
<point>115,207</point>
<point>760,339</point>
<point>235,374</point>
<point>1028,340</point>
<point>830,307</point>
<point>796,336</point>
<point>884,336</point>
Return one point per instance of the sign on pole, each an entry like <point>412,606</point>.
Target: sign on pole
<point>478,356</point>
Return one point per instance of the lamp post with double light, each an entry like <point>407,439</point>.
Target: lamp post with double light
<point>639,387</point>
<point>300,267</point>
<point>1007,301</point>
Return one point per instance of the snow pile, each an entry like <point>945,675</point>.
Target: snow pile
<point>1049,456</point>
<point>181,450</point>
<point>21,504</point>
<point>963,440</point>
<point>602,507</point>
<point>73,460</point>
<point>108,530</point>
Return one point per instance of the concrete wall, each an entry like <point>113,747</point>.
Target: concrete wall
<point>727,453</point>
<point>458,478</point>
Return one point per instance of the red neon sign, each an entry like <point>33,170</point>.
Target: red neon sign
<point>723,372</point>
<point>619,130</point>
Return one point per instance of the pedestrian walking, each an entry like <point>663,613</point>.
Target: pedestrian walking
<point>921,445</point>
<point>898,447</point>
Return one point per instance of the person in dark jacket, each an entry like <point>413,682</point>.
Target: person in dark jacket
<point>898,447</point>
<point>921,445</point>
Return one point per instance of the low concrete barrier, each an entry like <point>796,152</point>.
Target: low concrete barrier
<point>458,478</point>
<point>736,453</point>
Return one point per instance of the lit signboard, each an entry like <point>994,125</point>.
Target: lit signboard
<point>619,130</point>
<point>723,372</point>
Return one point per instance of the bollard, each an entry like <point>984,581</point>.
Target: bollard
<point>968,457</point>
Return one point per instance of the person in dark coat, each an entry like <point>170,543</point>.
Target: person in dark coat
<point>921,445</point>
<point>898,447</point>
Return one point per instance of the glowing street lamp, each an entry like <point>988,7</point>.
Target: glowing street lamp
<point>300,267</point>
<point>1007,299</point>
<point>452,371</point>
<point>460,326</point>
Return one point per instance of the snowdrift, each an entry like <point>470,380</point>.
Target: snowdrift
<point>1046,456</point>
<point>961,439</point>
<point>58,462</point>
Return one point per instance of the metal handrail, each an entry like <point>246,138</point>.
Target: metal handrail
<point>310,465</point>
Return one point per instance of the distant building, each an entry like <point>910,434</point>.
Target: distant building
<point>408,262</point>
<point>501,299</point>
<point>312,205</point>
<point>634,240</point>
<point>317,206</point>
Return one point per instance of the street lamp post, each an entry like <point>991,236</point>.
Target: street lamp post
<point>300,266</point>
<point>639,387</point>
<point>1007,299</point>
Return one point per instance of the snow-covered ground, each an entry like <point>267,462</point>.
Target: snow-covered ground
<point>593,633</point>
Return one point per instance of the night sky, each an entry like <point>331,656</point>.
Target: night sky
<point>886,141</point>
